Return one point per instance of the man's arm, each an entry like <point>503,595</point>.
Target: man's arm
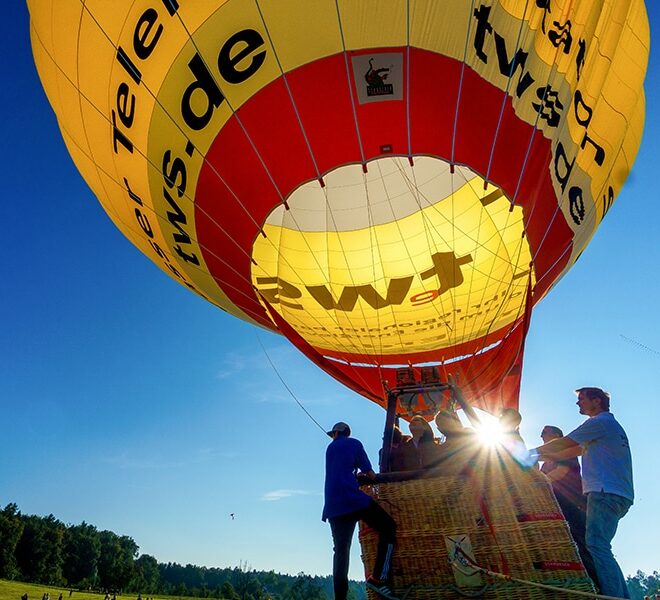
<point>363,463</point>
<point>559,449</point>
<point>558,473</point>
<point>569,453</point>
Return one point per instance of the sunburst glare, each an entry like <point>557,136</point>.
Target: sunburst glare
<point>490,430</point>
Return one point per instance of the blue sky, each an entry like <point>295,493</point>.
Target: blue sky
<point>130,403</point>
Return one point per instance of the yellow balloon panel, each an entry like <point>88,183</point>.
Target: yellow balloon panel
<point>310,31</point>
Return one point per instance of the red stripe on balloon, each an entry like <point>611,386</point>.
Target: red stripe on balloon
<point>321,93</point>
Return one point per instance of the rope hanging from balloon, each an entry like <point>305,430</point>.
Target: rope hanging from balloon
<point>288,389</point>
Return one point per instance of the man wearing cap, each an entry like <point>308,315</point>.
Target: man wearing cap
<point>346,504</point>
<point>606,481</point>
<point>566,481</point>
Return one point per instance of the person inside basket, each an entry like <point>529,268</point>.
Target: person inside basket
<point>345,505</point>
<point>566,481</point>
<point>397,456</point>
<point>420,451</point>
<point>606,480</point>
<point>460,445</point>
<point>510,437</point>
<point>510,420</point>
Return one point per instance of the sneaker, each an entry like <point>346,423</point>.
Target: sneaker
<point>381,587</point>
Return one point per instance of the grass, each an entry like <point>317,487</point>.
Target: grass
<point>13,590</point>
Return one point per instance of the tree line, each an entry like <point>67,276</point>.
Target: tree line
<point>46,551</point>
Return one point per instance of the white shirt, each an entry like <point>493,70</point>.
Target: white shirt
<point>606,462</point>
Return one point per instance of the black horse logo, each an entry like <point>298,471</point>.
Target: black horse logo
<point>376,77</point>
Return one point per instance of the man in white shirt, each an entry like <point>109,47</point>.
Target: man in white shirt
<point>606,480</point>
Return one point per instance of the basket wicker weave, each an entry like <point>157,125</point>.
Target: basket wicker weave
<point>510,516</point>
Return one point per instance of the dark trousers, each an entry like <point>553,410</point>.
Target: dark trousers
<point>343,527</point>
<point>576,518</point>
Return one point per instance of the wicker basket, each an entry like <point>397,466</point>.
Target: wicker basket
<point>510,518</point>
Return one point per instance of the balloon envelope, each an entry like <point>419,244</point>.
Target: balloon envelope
<point>386,182</point>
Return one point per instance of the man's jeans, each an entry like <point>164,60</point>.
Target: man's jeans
<point>342,528</point>
<point>603,514</point>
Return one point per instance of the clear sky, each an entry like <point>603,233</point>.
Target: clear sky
<point>130,403</point>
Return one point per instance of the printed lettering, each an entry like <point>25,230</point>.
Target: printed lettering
<point>142,44</point>
<point>397,290</point>
<point>282,289</point>
<point>576,205</point>
<point>125,105</point>
<point>508,67</point>
<point>143,222</point>
<point>550,107</point>
<point>561,36</point>
<point>118,136</point>
<point>563,166</point>
<point>203,83</point>
<point>447,268</point>
<point>228,61</point>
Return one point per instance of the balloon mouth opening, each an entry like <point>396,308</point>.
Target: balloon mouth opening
<point>390,189</point>
<point>396,261</point>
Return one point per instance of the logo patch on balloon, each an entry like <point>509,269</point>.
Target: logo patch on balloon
<point>378,77</point>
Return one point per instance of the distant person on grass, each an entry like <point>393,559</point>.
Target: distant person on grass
<point>346,504</point>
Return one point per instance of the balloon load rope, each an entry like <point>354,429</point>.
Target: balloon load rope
<point>464,563</point>
<point>288,389</point>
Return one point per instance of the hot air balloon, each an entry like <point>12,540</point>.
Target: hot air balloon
<point>387,183</point>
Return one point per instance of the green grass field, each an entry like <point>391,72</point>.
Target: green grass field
<point>13,590</point>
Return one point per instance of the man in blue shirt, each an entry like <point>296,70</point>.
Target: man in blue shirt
<point>606,481</point>
<point>346,504</point>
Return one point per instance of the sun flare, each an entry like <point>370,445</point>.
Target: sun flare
<point>490,431</point>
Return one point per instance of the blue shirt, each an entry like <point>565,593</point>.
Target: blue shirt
<point>343,458</point>
<point>606,462</point>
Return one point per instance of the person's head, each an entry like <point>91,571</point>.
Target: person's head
<point>551,432</point>
<point>447,422</point>
<point>340,429</point>
<point>510,419</point>
<point>420,429</point>
<point>592,401</point>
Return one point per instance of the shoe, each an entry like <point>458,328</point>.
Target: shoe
<point>380,587</point>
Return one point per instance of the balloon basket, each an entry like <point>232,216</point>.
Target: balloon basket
<point>504,518</point>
